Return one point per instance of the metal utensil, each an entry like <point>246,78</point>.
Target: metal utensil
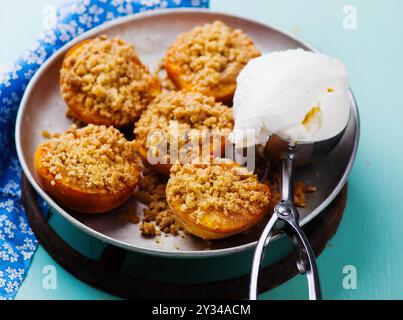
<point>285,216</point>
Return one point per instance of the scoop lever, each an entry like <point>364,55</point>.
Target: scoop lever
<point>286,213</point>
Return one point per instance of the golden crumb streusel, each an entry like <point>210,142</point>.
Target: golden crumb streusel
<point>211,54</point>
<point>104,82</point>
<point>218,186</point>
<point>158,217</point>
<point>94,158</point>
<point>182,117</point>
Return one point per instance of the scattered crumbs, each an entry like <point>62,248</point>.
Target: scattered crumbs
<point>46,134</point>
<point>147,229</point>
<point>158,217</point>
<point>177,247</point>
<point>329,245</point>
<point>143,197</point>
<point>157,241</point>
<point>300,191</point>
<point>273,180</point>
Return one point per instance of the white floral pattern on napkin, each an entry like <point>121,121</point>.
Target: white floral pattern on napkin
<point>17,241</point>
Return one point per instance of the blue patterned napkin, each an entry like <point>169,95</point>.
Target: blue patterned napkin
<point>17,242</point>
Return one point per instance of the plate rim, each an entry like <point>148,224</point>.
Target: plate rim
<point>157,252</point>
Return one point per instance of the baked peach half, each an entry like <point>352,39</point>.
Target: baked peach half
<point>208,59</point>
<point>216,199</point>
<point>104,82</point>
<point>90,170</point>
<point>181,125</point>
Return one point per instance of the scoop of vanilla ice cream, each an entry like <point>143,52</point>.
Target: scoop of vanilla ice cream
<point>300,95</point>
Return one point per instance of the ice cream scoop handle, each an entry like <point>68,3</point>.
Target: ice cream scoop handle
<point>306,261</point>
<point>287,178</point>
<point>286,212</point>
<point>259,255</point>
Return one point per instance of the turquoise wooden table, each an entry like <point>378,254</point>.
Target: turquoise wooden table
<point>367,36</point>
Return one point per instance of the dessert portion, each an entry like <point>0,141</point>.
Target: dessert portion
<point>181,123</point>
<point>104,82</point>
<point>216,198</point>
<point>91,170</point>
<point>300,95</point>
<point>208,59</point>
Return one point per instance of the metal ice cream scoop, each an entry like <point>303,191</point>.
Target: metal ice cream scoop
<point>285,216</point>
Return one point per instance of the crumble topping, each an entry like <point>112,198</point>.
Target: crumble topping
<point>195,115</point>
<point>211,53</point>
<point>106,78</point>
<point>94,158</point>
<point>218,186</point>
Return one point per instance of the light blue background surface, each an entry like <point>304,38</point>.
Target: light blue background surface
<point>370,236</point>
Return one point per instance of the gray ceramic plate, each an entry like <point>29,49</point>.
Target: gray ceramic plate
<point>43,108</point>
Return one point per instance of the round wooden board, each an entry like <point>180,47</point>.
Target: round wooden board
<point>105,273</point>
